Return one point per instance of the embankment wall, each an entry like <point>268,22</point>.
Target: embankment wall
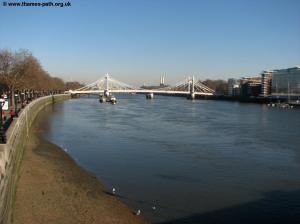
<point>11,153</point>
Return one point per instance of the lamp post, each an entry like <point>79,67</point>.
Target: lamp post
<point>16,105</point>
<point>2,132</point>
<point>26,97</point>
<point>22,99</point>
<point>29,96</point>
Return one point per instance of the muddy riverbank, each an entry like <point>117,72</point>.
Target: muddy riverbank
<point>52,188</point>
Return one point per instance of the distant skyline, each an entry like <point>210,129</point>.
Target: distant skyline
<point>137,41</point>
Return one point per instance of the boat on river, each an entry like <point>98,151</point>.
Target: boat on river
<point>281,105</point>
<point>107,97</point>
<point>295,103</point>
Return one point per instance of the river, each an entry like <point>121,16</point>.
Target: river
<point>182,161</point>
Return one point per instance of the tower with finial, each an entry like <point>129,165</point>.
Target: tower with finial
<point>162,80</point>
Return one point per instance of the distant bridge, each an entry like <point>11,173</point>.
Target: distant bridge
<point>188,87</point>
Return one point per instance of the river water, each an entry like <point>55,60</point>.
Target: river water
<point>182,161</point>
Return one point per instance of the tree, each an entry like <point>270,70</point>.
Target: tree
<point>6,66</point>
<point>73,85</point>
<point>220,86</point>
<point>58,83</point>
<point>21,70</point>
<point>13,68</point>
<point>33,74</point>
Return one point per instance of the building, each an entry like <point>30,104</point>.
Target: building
<point>286,82</point>
<point>245,87</point>
<point>281,83</point>
<point>266,83</point>
<point>161,84</point>
<point>250,86</point>
<point>233,87</point>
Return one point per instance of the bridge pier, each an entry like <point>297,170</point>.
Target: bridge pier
<point>191,96</point>
<point>149,96</point>
<point>76,95</point>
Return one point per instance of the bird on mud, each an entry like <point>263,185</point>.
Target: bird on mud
<point>138,212</point>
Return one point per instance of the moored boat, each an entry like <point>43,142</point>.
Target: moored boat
<point>107,97</point>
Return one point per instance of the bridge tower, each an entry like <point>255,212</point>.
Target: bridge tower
<point>191,88</point>
<point>106,90</point>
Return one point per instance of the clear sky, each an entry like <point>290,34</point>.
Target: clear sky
<point>138,40</point>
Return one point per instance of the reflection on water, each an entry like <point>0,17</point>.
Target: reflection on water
<point>194,161</point>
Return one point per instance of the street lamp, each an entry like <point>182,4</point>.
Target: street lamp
<point>2,132</point>
<point>26,97</point>
<point>16,105</point>
<point>22,99</point>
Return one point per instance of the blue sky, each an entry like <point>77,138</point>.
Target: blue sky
<point>138,40</point>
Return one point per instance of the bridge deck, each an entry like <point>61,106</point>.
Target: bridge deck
<point>138,91</point>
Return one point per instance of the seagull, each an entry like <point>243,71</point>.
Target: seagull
<point>138,212</point>
<point>153,207</point>
<point>114,190</point>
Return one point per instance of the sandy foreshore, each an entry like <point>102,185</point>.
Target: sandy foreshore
<point>53,189</point>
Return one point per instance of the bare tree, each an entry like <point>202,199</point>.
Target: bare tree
<point>13,68</point>
<point>33,75</point>
<point>73,85</point>
<point>219,85</point>
<point>6,66</point>
<point>58,83</point>
<point>21,70</point>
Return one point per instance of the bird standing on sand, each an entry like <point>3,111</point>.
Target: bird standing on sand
<point>138,212</point>
<point>114,190</point>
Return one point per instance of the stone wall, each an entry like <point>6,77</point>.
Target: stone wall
<point>11,153</point>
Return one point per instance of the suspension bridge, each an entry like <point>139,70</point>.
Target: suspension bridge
<point>188,87</point>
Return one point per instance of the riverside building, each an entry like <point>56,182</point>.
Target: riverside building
<point>245,87</point>
<point>250,86</point>
<point>286,82</point>
<point>233,87</point>
<point>266,81</point>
